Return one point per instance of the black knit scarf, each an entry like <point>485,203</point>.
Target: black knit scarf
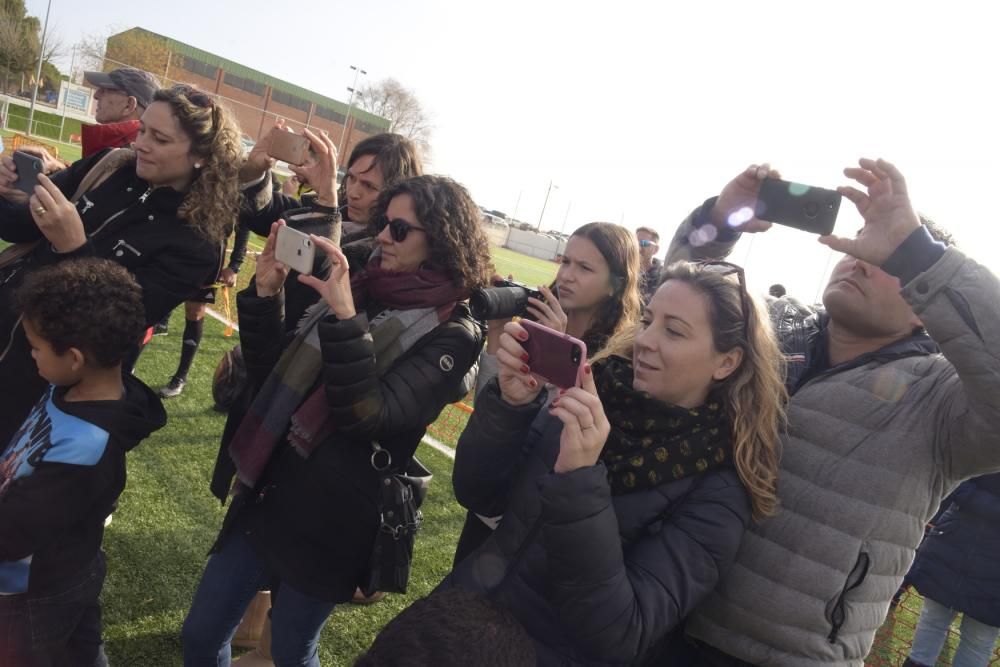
<point>652,442</point>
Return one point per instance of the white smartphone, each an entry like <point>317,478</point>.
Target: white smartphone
<point>295,250</point>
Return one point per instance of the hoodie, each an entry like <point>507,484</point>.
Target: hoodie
<point>60,477</point>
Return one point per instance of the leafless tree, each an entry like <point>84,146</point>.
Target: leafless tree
<point>399,105</point>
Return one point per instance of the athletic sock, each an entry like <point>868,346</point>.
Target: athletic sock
<point>189,346</point>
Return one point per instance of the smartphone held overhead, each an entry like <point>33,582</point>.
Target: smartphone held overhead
<point>28,168</point>
<point>289,147</point>
<point>295,250</point>
<point>554,356</point>
<point>805,207</point>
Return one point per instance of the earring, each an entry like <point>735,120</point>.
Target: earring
<point>197,165</point>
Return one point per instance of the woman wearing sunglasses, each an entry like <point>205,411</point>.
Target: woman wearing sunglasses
<point>162,209</point>
<point>598,296</point>
<point>626,498</point>
<point>375,360</point>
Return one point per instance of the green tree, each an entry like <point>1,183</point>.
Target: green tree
<point>19,41</point>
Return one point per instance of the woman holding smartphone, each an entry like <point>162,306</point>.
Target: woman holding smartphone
<point>375,360</point>
<point>161,209</point>
<point>598,296</point>
<point>625,499</point>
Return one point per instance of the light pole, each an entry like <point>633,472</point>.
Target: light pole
<point>544,204</point>
<point>38,72</point>
<point>566,217</point>
<point>347,119</point>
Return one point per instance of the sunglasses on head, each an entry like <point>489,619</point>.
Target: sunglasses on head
<point>728,269</point>
<point>195,96</point>
<point>398,228</point>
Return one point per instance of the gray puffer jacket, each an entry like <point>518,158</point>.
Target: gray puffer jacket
<point>872,448</point>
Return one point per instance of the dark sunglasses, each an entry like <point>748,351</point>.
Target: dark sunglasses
<point>398,228</point>
<point>728,269</point>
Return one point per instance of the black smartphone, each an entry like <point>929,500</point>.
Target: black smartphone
<point>804,207</point>
<point>28,168</point>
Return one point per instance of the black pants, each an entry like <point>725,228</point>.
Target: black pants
<point>55,628</point>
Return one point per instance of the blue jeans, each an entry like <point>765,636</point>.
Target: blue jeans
<point>975,646</point>
<point>231,579</point>
<point>55,627</point>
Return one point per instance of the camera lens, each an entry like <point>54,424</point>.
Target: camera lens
<point>574,354</point>
<point>811,209</point>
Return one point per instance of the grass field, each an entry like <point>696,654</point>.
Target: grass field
<point>44,124</point>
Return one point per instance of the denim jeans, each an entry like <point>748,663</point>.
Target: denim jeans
<point>55,627</point>
<point>975,646</point>
<point>231,579</point>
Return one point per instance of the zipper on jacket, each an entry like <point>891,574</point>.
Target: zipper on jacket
<point>854,579</point>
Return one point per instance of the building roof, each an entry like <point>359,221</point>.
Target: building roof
<point>266,79</point>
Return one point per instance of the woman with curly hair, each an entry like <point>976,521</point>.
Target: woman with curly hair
<point>376,359</point>
<point>161,209</point>
<point>595,295</point>
<point>625,499</point>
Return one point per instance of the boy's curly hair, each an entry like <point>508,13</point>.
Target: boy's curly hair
<point>94,305</point>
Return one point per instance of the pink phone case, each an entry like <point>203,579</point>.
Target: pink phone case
<point>554,356</point>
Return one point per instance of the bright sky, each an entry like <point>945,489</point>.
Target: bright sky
<point>638,111</point>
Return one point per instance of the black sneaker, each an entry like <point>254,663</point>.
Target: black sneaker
<point>160,329</point>
<point>173,388</point>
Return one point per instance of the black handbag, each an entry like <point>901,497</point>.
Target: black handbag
<point>400,497</point>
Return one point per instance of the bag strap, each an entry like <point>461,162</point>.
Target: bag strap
<point>101,171</point>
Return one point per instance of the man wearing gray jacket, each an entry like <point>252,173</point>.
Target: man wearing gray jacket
<point>895,399</point>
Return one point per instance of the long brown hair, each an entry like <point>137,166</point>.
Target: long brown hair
<point>212,202</point>
<point>754,395</point>
<point>621,310</point>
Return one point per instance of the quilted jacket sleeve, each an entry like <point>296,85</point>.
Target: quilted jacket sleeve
<point>619,602</point>
<point>407,397</point>
<point>262,331</point>
<point>697,239</point>
<point>489,450</point>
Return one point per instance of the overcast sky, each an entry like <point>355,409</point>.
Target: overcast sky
<point>638,111</point>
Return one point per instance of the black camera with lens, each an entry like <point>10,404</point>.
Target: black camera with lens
<point>505,299</point>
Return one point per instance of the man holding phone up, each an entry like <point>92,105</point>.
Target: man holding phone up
<point>895,399</point>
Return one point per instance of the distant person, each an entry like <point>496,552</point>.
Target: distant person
<point>957,572</point>
<point>776,290</point>
<point>451,628</point>
<point>62,472</point>
<point>194,315</point>
<point>162,211</point>
<point>649,245</point>
<point>121,98</point>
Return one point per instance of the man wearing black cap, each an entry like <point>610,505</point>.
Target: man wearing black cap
<point>122,95</point>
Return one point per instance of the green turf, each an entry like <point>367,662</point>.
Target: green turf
<point>44,123</point>
<point>528,270</point>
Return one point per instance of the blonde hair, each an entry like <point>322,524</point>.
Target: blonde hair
<point>212,202</point>
<point>754,395</point>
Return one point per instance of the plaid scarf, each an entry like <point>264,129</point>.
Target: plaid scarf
<point>417,302</point>
<point>652,442</point>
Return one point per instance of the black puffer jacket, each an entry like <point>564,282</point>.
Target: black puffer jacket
<point>594,578</point>
<point>314,520</point>
<point>138,227</point>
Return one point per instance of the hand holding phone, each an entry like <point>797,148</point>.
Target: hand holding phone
<point>554,356</point>
<point>804,207</point>
<point>295,250</point>
<point>28,168</point>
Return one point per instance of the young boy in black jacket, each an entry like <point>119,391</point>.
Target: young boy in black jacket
<point>65,467</point>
